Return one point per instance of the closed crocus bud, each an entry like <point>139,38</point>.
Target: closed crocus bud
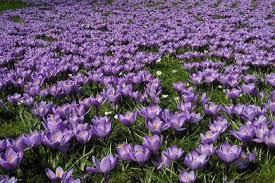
<point>246,132</point>
<point>125,152</point>
<point>153,143</point>
<point>194,160</point>
<point>128,118</point>
<point>271,79</point>
<point>187,177</point>
<point>209,137</point>
<point>107,164</point>
<point>10,159</point>
<point>228,153</point>
<point>245,159</point>
<point>173,153</point>
<point>141,154</point>
<point>207,149</point>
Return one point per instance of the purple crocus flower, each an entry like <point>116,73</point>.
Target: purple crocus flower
<point>33,140</point>
<point>151,112</point>
<point>10,159</point>
<point>153,143</point>
<point>245,133</point>
<point>107,164</point>
<point>128,118</point>
<point>61,176</point>
<point>234,93</point>
<point>249,88</point>
<point>209,137</point>
<point>58,140</point>
<point>102,127</point>
<point>228,153</point>
<point>194,160</point>
<point>269,139</point>
<point>173,153</point>
<point>83,133</point>
<point>212,109</point>
<point>125,152</point>
<point>141,154</point>
<point>207,149</point>
<point>156,126</point>
<point>245,159</point>
<point>164,161</point>
<point>260,131</point>
<point>7,179</point>
<point>187,177</point>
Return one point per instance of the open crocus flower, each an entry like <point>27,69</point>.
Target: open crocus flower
<point>187,177</point>
<point>209,137</point>
<point>125,152</point>
<point>195,161</point>
<point>58,140</point>
<point>173,153</point>
<point>156,126</point>
<point>228,153</point>
<point>249,88</point>
<point>153,143</point>
<point>245,133</point>
<point>33,140</point>
<point>164,161</point>
<point>7,179</point>
<point>207,149</point>
<point>61,176</point>
<point>245,159</point>
<point>83,133</point>
<point>234,93</point>
<point>212,109</point>
<point>107,164</point>
<point>102,127</point>
<point>128,118</point>
<point>269,139</point>
<point>10,159</point>
<point>141,154</point>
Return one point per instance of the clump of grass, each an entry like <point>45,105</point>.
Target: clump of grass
<point>12,5</point>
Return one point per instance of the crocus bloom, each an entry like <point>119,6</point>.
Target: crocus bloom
<point>156,126</point>
<point>58,140</point>
<point>269,139</point>
<point>33,140</point>
<point>194,160</point>
<point>164,161</point>
<point>7,179</point>
<point>141,154</point>
<point>102,127</point>
<point>211,108</point>
<point>153,143</point>
<point>187,177</point>
<point>245,133</point>
<point>125,152</point>
<point>173,153</point>
<point>228,153</point>
<point>61,175</point>
<point>245,159</point>
<point>128,118</point>
<point>83,133</point>
<point>209,137</point>
<point>10,159</point>
<point>207,149</point>
<point>104,166</point>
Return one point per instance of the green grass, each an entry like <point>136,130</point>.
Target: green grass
<point>12,5</point>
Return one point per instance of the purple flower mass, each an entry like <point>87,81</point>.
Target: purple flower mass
<point>169,86</point>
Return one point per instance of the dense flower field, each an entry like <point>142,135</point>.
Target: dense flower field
<point>137,91</point>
